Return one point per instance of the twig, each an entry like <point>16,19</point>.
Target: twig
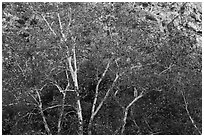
<point>136,124</point>
<point>169,68</point>
<point>116,99</point>
<point>33,97</point>
<point>154,133</point>
<point>56,107</point>
<point>20,69</point>
<point>186,107</point>
<point>49,25</point>
<point>148,125</point>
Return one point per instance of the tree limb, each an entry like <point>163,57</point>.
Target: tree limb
<point>126,111</point>
<point>49,25</point>
<point>61,28</point>
<point>97,87</point>
<point>189,115</point>
<point>42,114</point>
<point>100,104</point>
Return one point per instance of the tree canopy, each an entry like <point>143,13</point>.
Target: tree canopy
<point>101,68</point>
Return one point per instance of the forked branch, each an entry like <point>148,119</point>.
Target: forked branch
<point>41,112</point>
<point>97,87</point>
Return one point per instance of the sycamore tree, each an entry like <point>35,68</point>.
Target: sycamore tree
<point>101,68</point>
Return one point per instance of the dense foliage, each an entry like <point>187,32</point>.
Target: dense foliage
<point>142,62</point>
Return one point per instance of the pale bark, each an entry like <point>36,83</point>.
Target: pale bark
<point>126,111</point>
<point>42,114</point>
<point>48,24</point>
<point>61,113</point>
<point>79,114</point>
<point>97,87</point>
<point>95,112</point>
<point>76,88</point>
<point>100,105</point>
<point>189,115</point>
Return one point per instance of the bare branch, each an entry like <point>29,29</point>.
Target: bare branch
<point>169,68</point>
<point>21,69</point>
<point>116,99</point>
<point>107,94</point>
<point>74,71</point>
<point>126,111</point>
<point>68,83</point>
<point>135,92</point>
<point>61,28</point>
<point>134,100</point>
<point>41,112</point>
<point>70,19</point>
<point>97,86</point>
<point>189,115</point>
<point>61,113</point>
<point>33,97</point>
<point>48,25</point>
<point>100,104</point>
<point>55,106</point>
<point>59,88</point>
<point>74,57</point>
<point>115,94</point>
<point>70,67</point>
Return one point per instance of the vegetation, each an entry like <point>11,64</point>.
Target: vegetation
<point>101,68</point>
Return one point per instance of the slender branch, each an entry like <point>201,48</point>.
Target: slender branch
<point>59,88</point>
<point>97,86</point>
<point>116,99</point>
<point>68,83</point>
<point>74,57</point>
<point>115,94</point>
<point>75,66</point>
<point>186,107</point>
<point>134,100</point>
<point>61,113</point>
<point>126,111</point>
<point>70,19</point>
<point>150,129</point>
<point>21,69</point>
<point>33,97</point>
<point>70,67</point>
<point>106,96</point>
<point>124,120</point>
<point>49,25</point>
<point>155,133</point>
<point>79,113</point>
<point>56,107</point>
<point>42,114</point>
<point>100,105</point>
<point>61,28</point>
<point>63,104</point>
<point>136,125</point>
<point>21,118</point>
<point>76,87</point>
<point>169,68</point>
